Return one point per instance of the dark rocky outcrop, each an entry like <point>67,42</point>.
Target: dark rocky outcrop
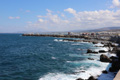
<point>114,50</point>
<point>91,78</point>
<point>113,57</point>
<point>102,43</point>
<point>115,66</point>
<point>105,72</point>
<point>115,62</point>
<point>79,79</point>
<point>90,51</point>
<point>95,42</point>
<point>104,58</point>
<point>90,58</point>
<point>102,51</point>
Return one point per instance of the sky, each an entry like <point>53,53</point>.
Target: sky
<point>57,15</point>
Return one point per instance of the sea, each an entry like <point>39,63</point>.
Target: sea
<point>46,58</point>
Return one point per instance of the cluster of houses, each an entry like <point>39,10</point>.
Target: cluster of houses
<point>103,33</point>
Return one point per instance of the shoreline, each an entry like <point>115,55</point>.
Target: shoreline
<point>105,43</point>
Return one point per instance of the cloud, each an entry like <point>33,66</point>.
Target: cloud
<point>70,10</point>
<point>10,17</point>
<point>17,17</point>
<point>27,11</point>
<point>49,11</point>
<point>40,20</point>
<point>115,3</point>
<point>39,16</point>
<point>62,15</point>
<point>79,21</point>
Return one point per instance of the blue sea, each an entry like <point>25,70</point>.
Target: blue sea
<point>45,58</point>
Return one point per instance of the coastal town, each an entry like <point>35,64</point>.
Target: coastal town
<point>102,35</point>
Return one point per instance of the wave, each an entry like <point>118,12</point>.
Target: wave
<point>101,48</point>
<point>99,45</point>
<point>58,40</point>
<point>84,74</point>
<point>53,57</point>
<point>80,72</point>
<point>85,68</point>
<point>77,44</point>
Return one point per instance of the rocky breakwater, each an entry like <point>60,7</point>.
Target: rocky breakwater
<point>57,35</point>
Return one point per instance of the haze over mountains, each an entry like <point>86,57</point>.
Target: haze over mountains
<point>89,30</point>
<point>100,29</point>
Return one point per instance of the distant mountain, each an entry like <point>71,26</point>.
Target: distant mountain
<point>33,31</point>
<point>100,29</point>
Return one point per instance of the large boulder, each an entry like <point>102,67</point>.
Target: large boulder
<point>91,78</point>
<point>114,50</point>
<point>104,71</point>
<point>102,51</point>
<point>90,51</point>
<point>95,42</point>
<point>113,57</point>
<point>104,58</point>
<point>115,66</point>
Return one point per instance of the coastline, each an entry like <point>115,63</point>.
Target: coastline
<point>111,49</point>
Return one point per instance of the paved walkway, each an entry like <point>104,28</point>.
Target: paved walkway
<point>117,77</point>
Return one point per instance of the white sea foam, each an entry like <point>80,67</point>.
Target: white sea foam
<point>65,41</point>
<point>60,40</point>
<point>81,72</point>
<point>53,57</point>
<point>101,48</point>
<point>77,44</point>
<point>58,76</point>
<point>56,40</point>
<point>84,42</point>
<point>68,61</point>
<point>99,45</point>
<point>84,74</point>
<point>108,76</point>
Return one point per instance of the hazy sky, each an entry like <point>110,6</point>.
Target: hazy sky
<point>58,15</point>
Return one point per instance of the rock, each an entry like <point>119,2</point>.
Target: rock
<point>95,52</point>
<point>91,78</point>
<point>89,51</point>
<point>95,42</point>
<point>102,42</point>
<point>118,53</point>
<point>113,45</point>
<point>113,57</point>
<point>105,72</point>
<point>115,66</point>
<point>102,51</point>
<point>90,58</point>
<point>79,79</point>
<point>104,58</point>
<point>114,49</point>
